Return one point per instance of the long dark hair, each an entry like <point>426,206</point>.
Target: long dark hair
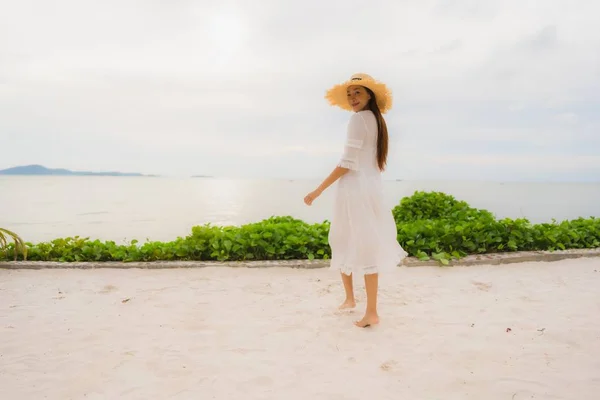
<point>382,132</point>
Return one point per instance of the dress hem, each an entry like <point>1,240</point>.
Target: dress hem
<point>356,269</point>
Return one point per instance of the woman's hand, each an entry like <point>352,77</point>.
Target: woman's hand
<point>336,174</point>
<point>309,198</point>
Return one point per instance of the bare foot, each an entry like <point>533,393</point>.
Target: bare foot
<point>368,320</point>
<point>347,304</point>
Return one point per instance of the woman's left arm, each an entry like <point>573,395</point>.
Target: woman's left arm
<point>355,137</point>
<point>336,174</point>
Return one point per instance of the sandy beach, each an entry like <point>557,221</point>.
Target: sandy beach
<point>521,331</point>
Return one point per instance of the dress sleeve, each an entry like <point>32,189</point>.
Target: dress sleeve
<point>355,138</point>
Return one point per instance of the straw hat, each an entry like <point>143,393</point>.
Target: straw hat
<point>337,95</point>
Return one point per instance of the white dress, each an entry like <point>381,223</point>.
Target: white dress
<point>362,233</point>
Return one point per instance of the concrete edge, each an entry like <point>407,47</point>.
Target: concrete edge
<point>472,260</point>
<point>511,258</point>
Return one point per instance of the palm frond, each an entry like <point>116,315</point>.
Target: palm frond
<point>19,243</point>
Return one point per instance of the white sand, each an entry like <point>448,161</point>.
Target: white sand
<point>274,334</point>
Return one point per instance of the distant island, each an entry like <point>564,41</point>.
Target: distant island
<point>41,170</point>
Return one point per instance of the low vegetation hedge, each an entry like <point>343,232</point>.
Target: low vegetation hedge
<point>430,225</point>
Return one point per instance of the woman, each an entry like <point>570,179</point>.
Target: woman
<point>363,232</point>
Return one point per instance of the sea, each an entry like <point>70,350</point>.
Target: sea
<point>43,208</point>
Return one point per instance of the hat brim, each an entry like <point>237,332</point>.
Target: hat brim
<point>337,95</point>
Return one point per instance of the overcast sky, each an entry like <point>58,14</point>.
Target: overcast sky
<point>493,90</point>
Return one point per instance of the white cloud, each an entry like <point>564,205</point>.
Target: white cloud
<point>567,118</point>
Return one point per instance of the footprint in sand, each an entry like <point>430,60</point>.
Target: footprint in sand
<point>482,286</point>
<point>326,290</point>
<point>388,365</point>
<point>344,311</point>
<point>108,289</point>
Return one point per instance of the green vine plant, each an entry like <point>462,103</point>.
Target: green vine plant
<point>430,226</point>
<point>19,244</point>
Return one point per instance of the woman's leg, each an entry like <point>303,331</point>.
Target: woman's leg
<point>371,317</point>
<point>350,302</point>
